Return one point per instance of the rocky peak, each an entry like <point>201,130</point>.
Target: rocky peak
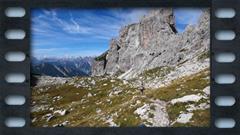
<point>164,15</point>
<point>151,43</point>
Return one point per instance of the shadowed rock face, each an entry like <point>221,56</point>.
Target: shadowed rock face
<point>151,43</point>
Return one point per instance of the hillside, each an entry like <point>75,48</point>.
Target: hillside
<point>151,76</point>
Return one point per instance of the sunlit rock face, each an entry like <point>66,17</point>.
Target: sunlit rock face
<point>153,42</point>
<point>150,76</point>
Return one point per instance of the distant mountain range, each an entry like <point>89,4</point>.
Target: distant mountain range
<point>62,67</point>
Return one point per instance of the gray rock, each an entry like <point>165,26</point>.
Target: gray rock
<point>98,68</point>
<point>151,43</point>
<point>207,90</point>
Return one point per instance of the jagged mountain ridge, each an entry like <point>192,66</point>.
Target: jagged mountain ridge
<point>153,42</point>
<point>63,67</point>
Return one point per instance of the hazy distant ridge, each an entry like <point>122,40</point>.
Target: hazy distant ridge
<point>62,67</point>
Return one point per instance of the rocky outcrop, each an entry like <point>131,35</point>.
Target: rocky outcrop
<point>153,42</point>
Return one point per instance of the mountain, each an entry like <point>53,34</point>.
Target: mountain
<point>151,76</point>
<point>154,42</point>
<point>62,67</point>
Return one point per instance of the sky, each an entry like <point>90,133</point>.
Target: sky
<point>87,32</point>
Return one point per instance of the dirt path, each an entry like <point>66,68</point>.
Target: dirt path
<point>160,118</point>
<point>155,114</point>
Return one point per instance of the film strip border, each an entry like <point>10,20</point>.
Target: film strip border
<point>15,63</point>
<point>228,43</point>
<point>23,67</point>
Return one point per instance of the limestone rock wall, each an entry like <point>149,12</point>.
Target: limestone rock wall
<point>153,42</point>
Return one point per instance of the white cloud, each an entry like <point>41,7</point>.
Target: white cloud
<point>95,25</point>
<point>52,29</point>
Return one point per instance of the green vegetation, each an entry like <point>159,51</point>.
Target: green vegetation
<point>181,87</point>
<point>204,55</point>
<point>201,118</point>
<point>188,85</point>
<point>102,56</point>
<point>127,118</point>
<point>96,101</point>
<point>175,110</point>
<point>157,72</point>
<point>83,109</point>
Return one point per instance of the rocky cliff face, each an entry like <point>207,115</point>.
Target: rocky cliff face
<point>152,76</point>
<point>153,42</point>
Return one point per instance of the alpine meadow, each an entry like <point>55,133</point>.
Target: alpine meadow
<point>120,67</point>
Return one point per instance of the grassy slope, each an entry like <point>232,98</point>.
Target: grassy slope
<point>83,113</point>
<point>188,85</point>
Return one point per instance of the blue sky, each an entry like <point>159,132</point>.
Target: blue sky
<point>79,32</point>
